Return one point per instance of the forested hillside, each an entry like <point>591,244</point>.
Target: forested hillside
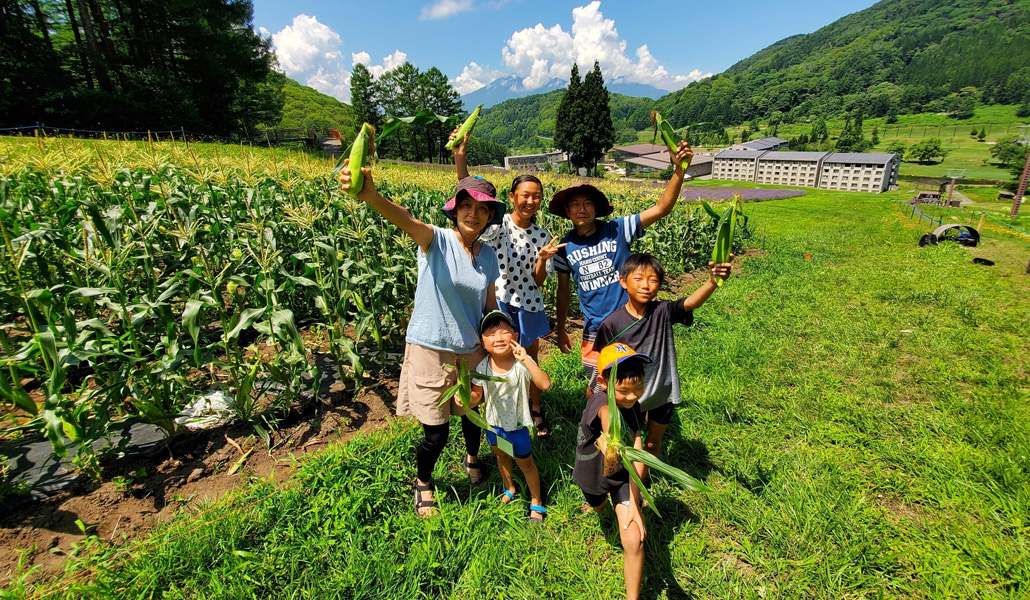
<point>521,122</point>
<point>308,108</point>
<point>140,65</point>
<point>896,57</point>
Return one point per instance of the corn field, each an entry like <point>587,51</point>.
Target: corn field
<point>135,277</point>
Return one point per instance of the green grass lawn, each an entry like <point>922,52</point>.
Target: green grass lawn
<point>862,417</point>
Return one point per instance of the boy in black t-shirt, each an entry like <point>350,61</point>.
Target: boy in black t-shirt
<point>599,472</point>
<point>645,324</point>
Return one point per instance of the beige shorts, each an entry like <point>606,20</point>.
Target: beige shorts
<point>424,379</point>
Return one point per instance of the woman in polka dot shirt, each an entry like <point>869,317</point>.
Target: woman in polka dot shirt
<point>524,250</point>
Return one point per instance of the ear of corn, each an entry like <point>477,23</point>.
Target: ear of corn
<point>628,454</point>
<point>668,134</point>
<point>466,127</point>
<point>361,152</point>
<point>463,390</point>
<point>724,236</point>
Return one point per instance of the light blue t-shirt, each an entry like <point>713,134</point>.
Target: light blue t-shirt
<point>594,262</point>
<point>450,296</point>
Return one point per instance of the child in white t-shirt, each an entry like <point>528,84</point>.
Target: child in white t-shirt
<point>507,405</point>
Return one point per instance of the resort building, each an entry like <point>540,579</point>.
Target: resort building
<point>655,157</point>
<point>859,172</point>
<point>736,165</point>
<point>547,161</point>
<point>790,168</point>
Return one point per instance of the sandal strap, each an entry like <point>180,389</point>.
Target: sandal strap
<point>540,509</point>
<point>508,493</point>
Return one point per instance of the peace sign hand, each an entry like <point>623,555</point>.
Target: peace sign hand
<point>548,251</point>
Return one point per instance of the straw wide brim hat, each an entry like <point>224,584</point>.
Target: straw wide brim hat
<point>602,205</point>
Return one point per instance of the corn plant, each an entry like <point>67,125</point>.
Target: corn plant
<point>620,449</point>
<point>463,390</point>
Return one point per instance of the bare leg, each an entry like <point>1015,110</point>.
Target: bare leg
<point>653,443</point>
<point>528,467</point>
<point>633,557</point>
<point>504,466</point>
<point>534,392</point>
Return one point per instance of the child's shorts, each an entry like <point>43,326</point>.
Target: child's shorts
<point>589,357</point>
<point>620,495</point>
<point>519,440</point>
<point>660,414</point>
<point>530,326</point>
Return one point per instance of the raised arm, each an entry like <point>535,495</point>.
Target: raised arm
<point>391,211</point>
<point>460,155</point>
<point>722,271</point>
<point>667,202</point>
<point>537,374</point>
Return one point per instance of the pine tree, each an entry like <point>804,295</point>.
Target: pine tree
<point>598,133</point>
<point>569,113</point>
<point>363,96</point>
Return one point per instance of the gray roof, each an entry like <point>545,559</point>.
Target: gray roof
<point>641,149</point>
<point>660,160</point>
<point>731,153</point>
<point>786,155</point>
<point>867,158</point>
<point>765,143</point>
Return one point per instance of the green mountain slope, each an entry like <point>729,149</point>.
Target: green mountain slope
<point>521,123</point>
<point>896,57</point>
<point>308,108</point>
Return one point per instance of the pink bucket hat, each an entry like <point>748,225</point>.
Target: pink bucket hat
<point>479,190</point>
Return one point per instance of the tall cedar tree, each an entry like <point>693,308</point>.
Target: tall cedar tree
<point>569,114</point>
<point>598,132</point>
<point>144,64</point>
<point>363,97</point>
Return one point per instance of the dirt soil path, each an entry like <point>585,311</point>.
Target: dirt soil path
<point>139,493</point>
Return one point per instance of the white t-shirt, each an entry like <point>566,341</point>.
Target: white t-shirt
<point>507,404</point>
<point>517,252</point>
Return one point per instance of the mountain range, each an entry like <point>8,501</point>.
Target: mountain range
<point>510,87</point>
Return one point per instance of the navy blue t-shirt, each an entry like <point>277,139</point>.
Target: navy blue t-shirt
<point>594,262</point>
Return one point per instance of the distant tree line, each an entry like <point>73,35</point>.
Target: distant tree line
<point>136,64</point>
<point>403,91</point>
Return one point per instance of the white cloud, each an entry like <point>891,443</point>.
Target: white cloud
<point>538,54</point>
<point>305,45</point>
<point>474,77</point>
<point>445,8</point>
<point>310,52</point>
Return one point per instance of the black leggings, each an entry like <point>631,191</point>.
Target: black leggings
<point>436,438</point>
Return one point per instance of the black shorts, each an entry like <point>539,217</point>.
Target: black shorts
<point>660,414</point>
<point>620,495</point>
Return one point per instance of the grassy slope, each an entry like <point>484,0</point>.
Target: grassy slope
<point>862,416</point>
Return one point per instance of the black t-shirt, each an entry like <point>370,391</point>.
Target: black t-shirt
<point>588,473</point>
<point>651,335</point>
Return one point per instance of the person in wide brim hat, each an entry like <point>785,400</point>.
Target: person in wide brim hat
<point>480,190</point>
<point>593,253</point>
<point>558,204</point>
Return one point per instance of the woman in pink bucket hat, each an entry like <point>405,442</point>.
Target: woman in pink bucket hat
<point>456,274</point>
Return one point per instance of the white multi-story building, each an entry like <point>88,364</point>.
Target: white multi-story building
<point>736,165</point>
<point>547,161</point>
<point>859,172</point>
<point>790,168</point>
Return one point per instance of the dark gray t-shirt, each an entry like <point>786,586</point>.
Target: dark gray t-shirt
<point>588,472</point>
<point>651,335</point>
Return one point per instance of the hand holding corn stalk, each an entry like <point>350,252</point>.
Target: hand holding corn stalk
<point>722,252</point>
<point>618,450</point>
<point>465,129</point>
<point>670,137</point>
<point>463,389</point>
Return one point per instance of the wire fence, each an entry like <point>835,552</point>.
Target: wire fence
<point>267,137</point>
<point>947,131</point>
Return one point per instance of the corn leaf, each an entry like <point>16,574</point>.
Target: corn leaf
<point>653,462</point>
<point>392,124</point>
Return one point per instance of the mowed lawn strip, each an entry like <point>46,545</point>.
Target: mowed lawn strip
<point>862,416</point>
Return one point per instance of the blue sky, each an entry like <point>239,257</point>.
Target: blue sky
<point>474,42</point>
